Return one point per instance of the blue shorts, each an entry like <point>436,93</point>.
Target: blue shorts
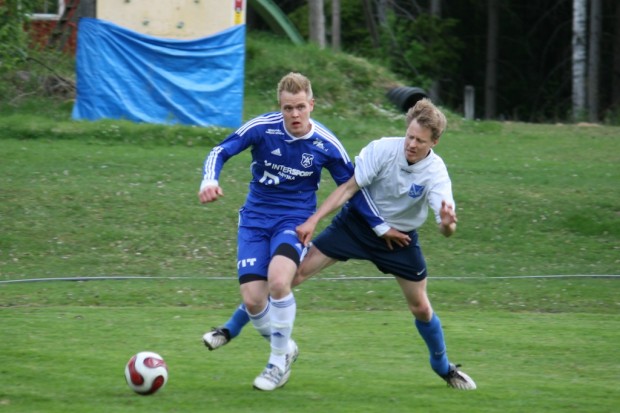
<point>349,236</point>
<point>260,237</point>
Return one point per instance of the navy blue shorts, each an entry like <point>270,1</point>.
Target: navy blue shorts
<point>349,236</point>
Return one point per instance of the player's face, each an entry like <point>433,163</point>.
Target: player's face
<point>296,109</point>
<point>418,142</point>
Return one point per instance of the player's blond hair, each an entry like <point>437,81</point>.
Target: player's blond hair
<point>295,83</point>
<point>428,116</point>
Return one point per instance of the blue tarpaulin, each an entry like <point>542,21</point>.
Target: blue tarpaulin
<point>122,74</point>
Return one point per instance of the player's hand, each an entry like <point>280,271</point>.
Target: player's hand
<point>396,237</point>
<point>447,214</point>
<point>447,226</point>
<point>305,231</point>
<point>210,194</point>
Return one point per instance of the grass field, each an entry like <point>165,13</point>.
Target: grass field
<point>530,199</point>
<point>98,208</point>
<point>65,345</point>
<point>525,289</point>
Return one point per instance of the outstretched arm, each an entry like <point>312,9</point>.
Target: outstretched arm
<point>334,201</point>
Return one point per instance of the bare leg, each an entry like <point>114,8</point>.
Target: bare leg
<point>255,296</point>
<point>313,263</point>
<point>427,323</point>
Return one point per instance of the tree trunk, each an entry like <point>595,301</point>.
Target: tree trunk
<point>435,90</point>
<point>336,36</point>
<point>382,10</point>
<point>615,80</point>
<point>579,58</point>
<point>490,83</point>
<point>317,22</point>
<point>594,58</point>
<point>370,23</point>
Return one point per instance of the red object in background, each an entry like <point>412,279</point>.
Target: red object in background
<point>57,32</point>
<point>41,30</point>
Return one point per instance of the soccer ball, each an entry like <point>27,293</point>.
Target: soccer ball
<point>146,372</point>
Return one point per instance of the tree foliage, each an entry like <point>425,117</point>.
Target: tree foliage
<point>533,79</point>
<point>534,68</point>
<point>420,49</point>
<point>13,38</point>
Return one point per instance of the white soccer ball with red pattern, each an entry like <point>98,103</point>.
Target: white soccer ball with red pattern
<point>146,372</point>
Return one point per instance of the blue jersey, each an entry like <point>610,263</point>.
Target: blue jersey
<point>286,170</point>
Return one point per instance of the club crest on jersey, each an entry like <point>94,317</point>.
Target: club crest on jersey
<point>416,191</point>
<point>306,160</point>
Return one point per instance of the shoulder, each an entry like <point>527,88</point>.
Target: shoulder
<point>390,142</point>
<point>437,167</point>
<point>324,133</point>
<point>261,122</point>
<point>383,146</point>
<point>436,160</point>
<point>326,140</point>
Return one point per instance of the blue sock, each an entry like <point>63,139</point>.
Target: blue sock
<point>432,334</point>
<point>237,321</point>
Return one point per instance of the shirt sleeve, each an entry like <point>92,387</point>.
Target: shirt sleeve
<point>366,169</point>
<point>218,156</point>
<point>367,165</point>
<point>364,204</point>
<point>441,191</point>
<point>361,201</point>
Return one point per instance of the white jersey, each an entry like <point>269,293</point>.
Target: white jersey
<point>403,193</point>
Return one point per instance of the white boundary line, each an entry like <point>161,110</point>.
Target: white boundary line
<point>341,278</point>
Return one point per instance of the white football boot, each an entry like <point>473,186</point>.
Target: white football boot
<point>272,377</point>
<point>216,338</point>
<point>292,354</point>
<point>458,379</point>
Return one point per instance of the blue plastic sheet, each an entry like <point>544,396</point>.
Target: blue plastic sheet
<point>122,74</point>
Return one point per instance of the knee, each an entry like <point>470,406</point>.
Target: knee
<point>422,311</point>
<point>254,304</point>
<point>254,307</point>
<point>279,287</point>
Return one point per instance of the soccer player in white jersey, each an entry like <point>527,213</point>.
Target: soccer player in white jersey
<point>289,151</point>
<point>404,177</point>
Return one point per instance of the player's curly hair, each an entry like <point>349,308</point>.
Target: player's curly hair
<point>428,116</point>
<point>295,83</point>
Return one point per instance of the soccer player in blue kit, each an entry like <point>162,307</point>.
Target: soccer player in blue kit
<point>289,151</point>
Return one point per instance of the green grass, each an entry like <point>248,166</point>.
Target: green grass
<point>111,198</point>
<point>65,345</point>
<point>528,204</point>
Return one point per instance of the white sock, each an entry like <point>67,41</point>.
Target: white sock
<point>282,319</point>
<point>261,322</point>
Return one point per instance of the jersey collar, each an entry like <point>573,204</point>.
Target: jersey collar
<point>295,138</point>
